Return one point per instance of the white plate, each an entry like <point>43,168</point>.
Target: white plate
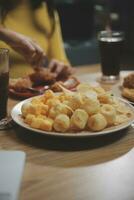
<point>116,90</point>
<point>16,116</point>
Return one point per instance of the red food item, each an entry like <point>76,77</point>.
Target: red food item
<point>42,78</point>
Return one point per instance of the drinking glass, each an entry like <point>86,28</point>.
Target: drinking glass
<point>4,81</point>
<point>110,45</point>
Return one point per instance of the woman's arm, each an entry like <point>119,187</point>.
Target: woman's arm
<point>24,45</point>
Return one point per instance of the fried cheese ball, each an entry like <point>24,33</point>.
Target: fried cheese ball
<point>91,95</point>
<point>62,97</point>
<point>97,122</point>
<point>99,90</point>
<point>52,113</point>
<point>25,109</point>
<point>43,108</point>
<point>84,87</point>
<point>45,124</point>
<point>75,101</point>
<point>109,112</point>
<point>47,95</point>
<point>35,109</point>
<point>60,109</point>
<point>36,100</point>
<point>105,98</point>
<point>36,122</point>
<point>29,118</point>
<point>91,106</point>
<point>79,119</point>
<point>29,108</point>
<point>61,123</point>
<point>52,102</point>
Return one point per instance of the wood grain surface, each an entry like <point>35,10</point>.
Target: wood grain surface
<point>58,168</point>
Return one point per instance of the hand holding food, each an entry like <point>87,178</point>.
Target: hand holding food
<point>61,70</point>
<point>55,112</point>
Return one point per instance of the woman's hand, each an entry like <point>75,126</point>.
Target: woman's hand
<point>24,45</point>
<point>62,71</point>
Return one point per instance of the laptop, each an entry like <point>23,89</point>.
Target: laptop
<point>11,171</point>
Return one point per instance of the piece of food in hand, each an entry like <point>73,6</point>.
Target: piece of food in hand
<point>65,73</point>
<point>128,87</point>
<point>42,77</point>
<point>61,70</point>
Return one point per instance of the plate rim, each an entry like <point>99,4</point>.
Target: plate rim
<point>16,111</point>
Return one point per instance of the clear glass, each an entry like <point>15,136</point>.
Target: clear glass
<point>110,46</point>
<point>4,81</point>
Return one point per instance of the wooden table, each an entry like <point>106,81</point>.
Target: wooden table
<point>56,168</point>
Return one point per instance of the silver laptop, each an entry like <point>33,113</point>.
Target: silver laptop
<point>11,171</point>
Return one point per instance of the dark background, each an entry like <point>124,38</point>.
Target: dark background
<point>81,20</point>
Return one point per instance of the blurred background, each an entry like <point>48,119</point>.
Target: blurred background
<point>81,20</point>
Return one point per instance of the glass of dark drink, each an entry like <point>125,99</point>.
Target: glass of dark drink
<point>4,80</point>
<point>110,45</point>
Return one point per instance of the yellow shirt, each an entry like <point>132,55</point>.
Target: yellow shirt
<point>21,20</point>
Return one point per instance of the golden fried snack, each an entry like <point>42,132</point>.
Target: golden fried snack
<point>97,122</point>
<point>109,112</point>
<point>46,124</point>
<point>75,101</point>
<point>59,108</point>
<point>25,109</point>
<point>90,106</point>
<point>35,109</point>
<point>84,88</point>
<point>99,90</point>
<point>105,98</point>
<point>79,119</point>
<point>52,102</point>
<point>61,123</point>
<point>29,118</point>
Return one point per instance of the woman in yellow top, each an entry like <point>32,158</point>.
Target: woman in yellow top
<point>31,30</point>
